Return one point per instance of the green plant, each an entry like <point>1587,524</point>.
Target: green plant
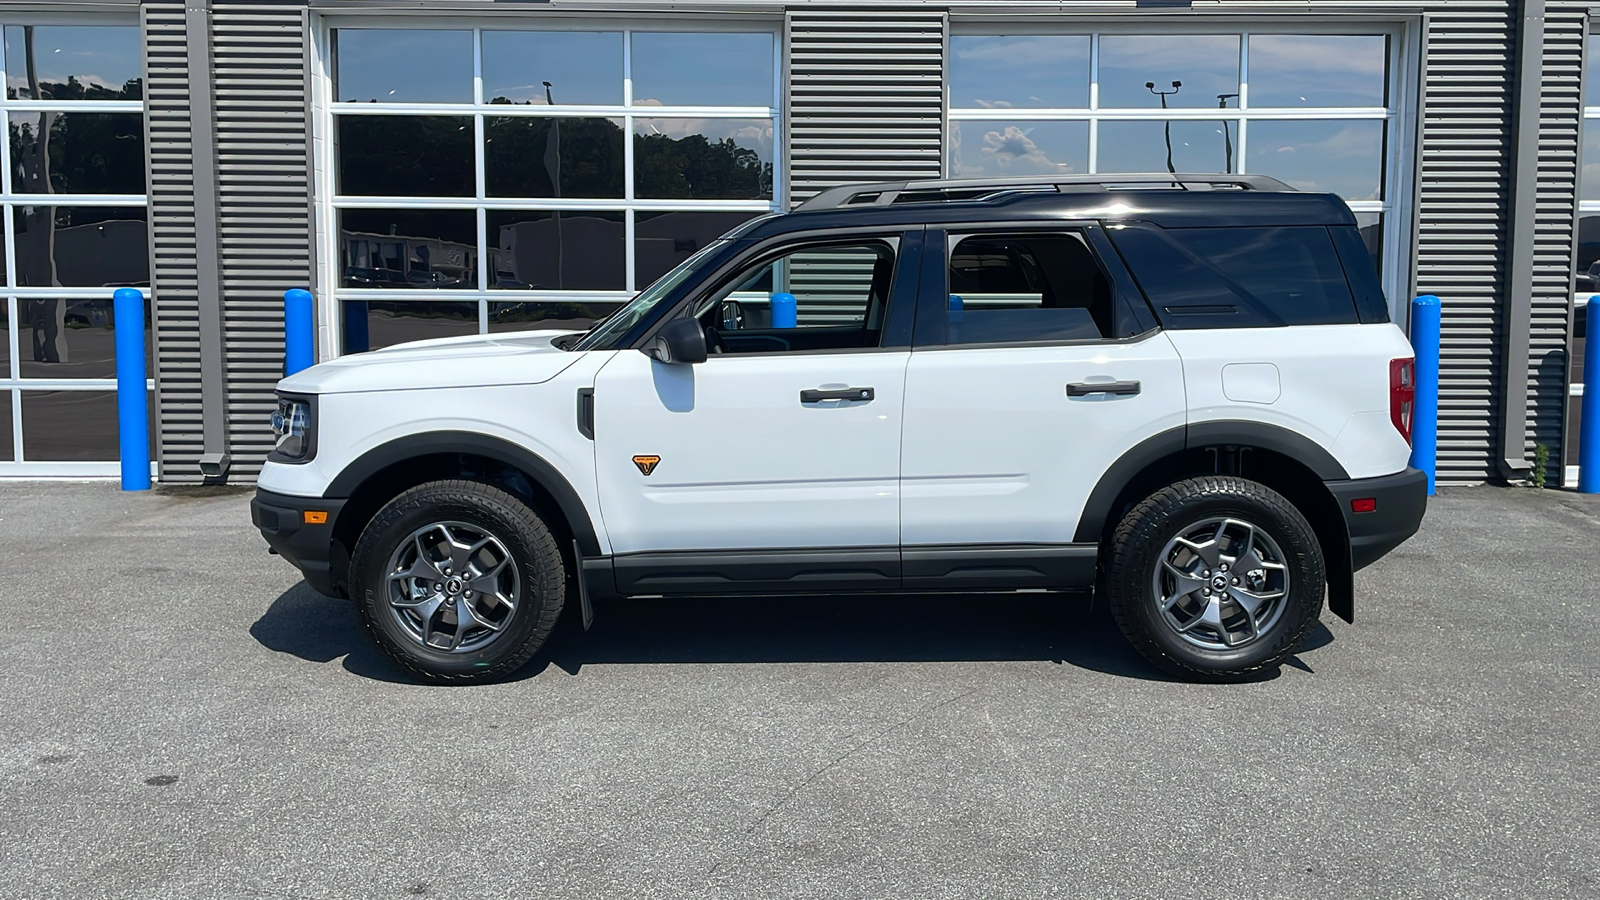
<point>1541,461</point>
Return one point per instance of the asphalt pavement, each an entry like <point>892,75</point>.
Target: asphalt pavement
<point>183,718</point>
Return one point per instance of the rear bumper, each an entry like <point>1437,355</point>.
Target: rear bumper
<point>1399,501</point>
<point>309,547</point>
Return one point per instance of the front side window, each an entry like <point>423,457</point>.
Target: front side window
<point>818,297</point>
<point>1027,287</point>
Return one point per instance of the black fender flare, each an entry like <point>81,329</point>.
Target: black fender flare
<point>540,472</point>
<point>1097,509</point>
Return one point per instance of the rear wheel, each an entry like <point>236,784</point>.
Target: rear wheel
<point>458,581</point>
<point>1215,578</point>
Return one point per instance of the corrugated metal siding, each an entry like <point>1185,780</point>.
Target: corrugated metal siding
<point>174,294</point>
<point>1463,195</point>
<point>865,96</point>
<point>263,194</point>
<point>1560,117</point>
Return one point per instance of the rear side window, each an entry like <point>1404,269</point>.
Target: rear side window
<point>1238,277</point>
<point>1025,288</point>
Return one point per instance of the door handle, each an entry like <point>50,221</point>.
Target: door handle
<point>855,393</point>
<point>1084,389</point>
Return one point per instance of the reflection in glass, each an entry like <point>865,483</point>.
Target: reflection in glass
<point>1588,267</point>
<point>570,68</point>
<point>408,248</point>
<point>1370,224</point>
<point>373,324</point>
<point>77,153</point>
<point>71,426</point>
<point>702,159</point>
<point>81,246</point>
<point>675,69</point>
<point>74,62</point>
<point>530,315</point>
<point>70,338</point>
<point>1198,146</point>
<point>405,156</point>
<point>1010,71</point>
<point>553,157</point>
<point>1344,157</point>
<point>1589,176</point>
<point>1318,70</point>
<point>402,65</point>
<point>1019,148</point>
<point>7,442</point>
<point>1205,64</point>
<point>661,240</point>
<point>5,354</point>
<point>554,251</point>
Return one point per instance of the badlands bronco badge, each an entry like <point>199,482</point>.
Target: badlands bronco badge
<point>646,464</point>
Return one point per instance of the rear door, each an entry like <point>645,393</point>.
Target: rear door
<point>1035,366</point>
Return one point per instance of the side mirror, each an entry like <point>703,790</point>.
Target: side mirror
<point>678,341</point>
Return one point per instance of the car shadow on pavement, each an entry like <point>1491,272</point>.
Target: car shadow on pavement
<point>1058,628</point>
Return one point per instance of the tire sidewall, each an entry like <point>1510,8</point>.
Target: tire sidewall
<point>1303,557</point>
<point>395,523</point>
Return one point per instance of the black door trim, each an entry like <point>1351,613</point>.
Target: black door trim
<point>998,566</point>
<point>696,572</point>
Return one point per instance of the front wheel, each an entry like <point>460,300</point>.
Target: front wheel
<point>458,581</point>
<point>1215,578</point>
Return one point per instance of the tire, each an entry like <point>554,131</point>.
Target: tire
<point>1189,538</point>
<point>411,605</point>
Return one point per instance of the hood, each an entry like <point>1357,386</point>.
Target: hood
<point>478,360</point>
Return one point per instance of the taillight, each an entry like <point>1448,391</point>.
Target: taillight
<point>1402,395</point>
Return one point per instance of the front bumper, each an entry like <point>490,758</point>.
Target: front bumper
<point>1398,502</point>
<point>311,548</point>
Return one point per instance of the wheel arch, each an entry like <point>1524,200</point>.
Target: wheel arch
<point>387,470</point>
<point>1289,463</point>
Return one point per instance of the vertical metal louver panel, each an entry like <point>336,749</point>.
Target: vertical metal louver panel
<point>1560,117</point>
<point>865,96</point>
<point>263,193</point>
<point>1463,194</point>
<point>172,243</point>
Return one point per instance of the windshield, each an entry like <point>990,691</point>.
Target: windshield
<point>614,326</point>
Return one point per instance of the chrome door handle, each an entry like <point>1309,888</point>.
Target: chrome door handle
<point>1084,389</point>
<point>855,393</point>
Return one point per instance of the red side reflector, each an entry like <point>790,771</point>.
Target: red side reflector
<point>1364,504</point>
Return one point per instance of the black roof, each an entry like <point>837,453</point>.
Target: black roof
<point>1172,201</point>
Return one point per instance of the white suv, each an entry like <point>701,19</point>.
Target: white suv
<point>1182,391</point>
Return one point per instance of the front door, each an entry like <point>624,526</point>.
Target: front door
<point>775,463</point>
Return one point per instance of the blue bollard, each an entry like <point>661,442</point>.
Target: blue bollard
<point>299,334</point>
<point>785,312</point>
<point>1425,414</point>
<point>133,401</point>
<point>1589,410</point>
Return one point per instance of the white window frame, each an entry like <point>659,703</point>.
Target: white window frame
<point>12,383</point>
<point>1397,207</point>
<point>324,162</point>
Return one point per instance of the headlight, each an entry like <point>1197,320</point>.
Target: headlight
<point>291,422</point>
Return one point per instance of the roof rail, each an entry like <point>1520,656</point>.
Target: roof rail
<point>951,190</point>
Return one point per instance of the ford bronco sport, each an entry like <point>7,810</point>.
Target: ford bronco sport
<point>1182,391</point>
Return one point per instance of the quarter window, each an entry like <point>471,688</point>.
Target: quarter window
<point>1238,277</point>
